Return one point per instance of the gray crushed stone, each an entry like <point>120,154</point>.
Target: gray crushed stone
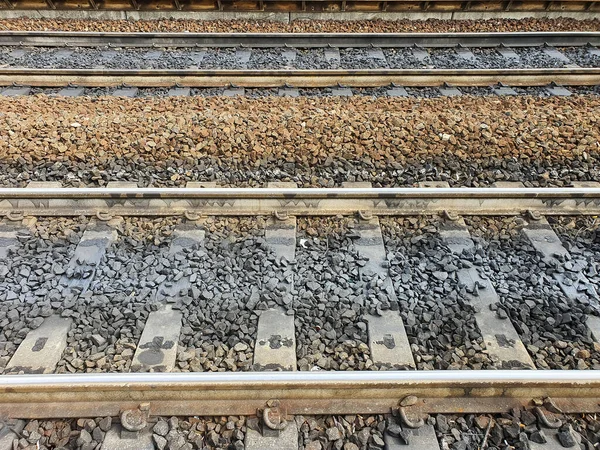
<point>331,333</point>
<point>551,326</point>
<point>439,323</point>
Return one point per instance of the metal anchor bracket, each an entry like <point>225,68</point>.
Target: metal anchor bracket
<point>545,420</point>
<point>407,422</point>
<point>134,420</point>
<point>15,216</point>
<point>103,216</point>
<point>281,215</point>
<point>365,215</point>
<point>273,419</point>
<point>192,216</point>
<point>450,215</point>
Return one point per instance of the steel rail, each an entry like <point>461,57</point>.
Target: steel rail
<point>83,395</point>
<point>298,78</point>
<point>18,202</point>
<point>297,40</point>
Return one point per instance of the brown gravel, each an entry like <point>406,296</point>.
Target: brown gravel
<point>305,130</point>
<point>301,26</point>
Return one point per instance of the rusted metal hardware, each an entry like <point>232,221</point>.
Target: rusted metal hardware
<point>273,419</point>
<point>365,215</point>
<point>534,215</point>
<point>134,420</point>
<point>450,215</point>
<point>566,76</point>
<point>547,422</point>
<point>281,215</point>
<point>92,395</point>
<point>410,423</point>
<point>308,6</point>
<point>17,203</point>
<point>298,40</point>
<point>103,216</point>
<point>192,216</point>
<point>405,404</point>
<point>15,216</point>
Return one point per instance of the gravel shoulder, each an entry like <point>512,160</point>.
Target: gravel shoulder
<point>467,141</point>
<point>301,26</point>
<point>440,325</point>
<point>331,333</point>
<point>30,276</point>
<point>551,325</point>
<point>581,236</point>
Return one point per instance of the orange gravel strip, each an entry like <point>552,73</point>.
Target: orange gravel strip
<point>300,26</point>
<point>307,130</point>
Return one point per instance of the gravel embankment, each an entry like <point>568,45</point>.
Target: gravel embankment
<point>352,432</point>
<point>331,333</point>
<point>301,26</point>
<point>551,325</point>
<point>581,236</point>
<point>30,276</point>
<point>234,272</point>
<point>236,278</point>
<point>281,58</point>
<point>440,325</point>
<point>312,141</point>
<point>518,429</point>
<point>180,433</point>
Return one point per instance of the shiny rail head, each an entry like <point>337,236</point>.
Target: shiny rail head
<point>322,378</point>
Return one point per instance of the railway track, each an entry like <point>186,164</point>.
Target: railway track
<point>386,309</point>
<point>29,387</point>
<point>299,60</point>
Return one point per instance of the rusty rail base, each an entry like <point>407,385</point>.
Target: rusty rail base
<point>50,396</point>
<point>299,78</point>
<point>16,203</point>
